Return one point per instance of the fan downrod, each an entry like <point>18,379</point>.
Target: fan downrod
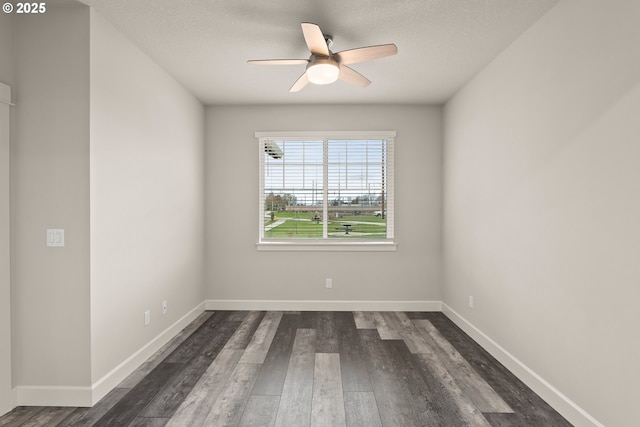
<point>328,38</point>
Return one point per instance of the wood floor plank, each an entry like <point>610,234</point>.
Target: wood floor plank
<point>273,372</point>
<point>19,415</point>
<point>148,422</point>
<point>327,405</point>
<point>247,328</point>
<point>237,316</point>
<point>483,396</point>
<point>138,375</point>
<point>417,314</point>
<point>128,408</point>
<point>364,320</point>
<point>228,408</point>
<point>326,333</point>
<point>195,408</point>
<point>258,347</point>
<point>174,392</point>
<point>355,376</point>
<point>175,342</point>
<point>395,402</point>
<point>308,320</point>
<point>165,351</point>
<point>407,330</point>
<point>295,403</point>
<point>528,405</point>
<point>260,411</point>
<point>89,416</point>
<point>392,322</point>
<point>466,409</point>
<point>343,320</point>
<point>384,330</point>
<point>49,416</point>
<point>433,406</point>
<point>361,409</point>
<point>505,420</point>
<point>194,342</point>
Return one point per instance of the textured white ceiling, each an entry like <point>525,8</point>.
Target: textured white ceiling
<point>205,44</point>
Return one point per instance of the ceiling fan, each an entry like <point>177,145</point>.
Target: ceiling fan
<point>324,66</point>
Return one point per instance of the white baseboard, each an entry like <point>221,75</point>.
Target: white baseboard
<point>89,396</point>
<point>104,385</point>
<point>53,396</point>
<point>561,403</point>
<point>326,305</point>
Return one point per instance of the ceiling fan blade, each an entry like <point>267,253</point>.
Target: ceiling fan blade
<point>362,54</point>
<point>278,61</point>
<point>300,83</point>
<point>315,39</point>
<point>350,75</point>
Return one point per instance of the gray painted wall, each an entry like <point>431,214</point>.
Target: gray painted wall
<point>50,189</point>
<point>110,148</point>
<point>235,270</point>
<point>542,203</point>
<point>147,198</point>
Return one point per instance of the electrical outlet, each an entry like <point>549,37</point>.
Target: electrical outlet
<point>164,307</point>
<point>147,317</point>
<point>329,283</point>
<point>470,301</point>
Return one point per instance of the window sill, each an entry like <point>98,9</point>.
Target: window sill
<point>357,246</point>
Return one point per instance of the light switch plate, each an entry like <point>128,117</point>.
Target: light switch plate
<point>55,237</point>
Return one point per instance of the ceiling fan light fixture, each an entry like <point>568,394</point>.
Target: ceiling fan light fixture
<point>323,71</point>
<point>325,67</point>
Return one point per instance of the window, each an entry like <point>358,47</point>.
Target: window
<point>332,190</point>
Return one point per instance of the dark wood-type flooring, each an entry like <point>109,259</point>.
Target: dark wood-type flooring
<point>295,369</point>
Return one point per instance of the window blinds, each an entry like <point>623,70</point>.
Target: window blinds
<point>326,188</point>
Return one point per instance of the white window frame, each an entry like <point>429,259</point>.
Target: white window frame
<point>388,244</point>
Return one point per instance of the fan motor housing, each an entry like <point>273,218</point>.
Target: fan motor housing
<point>315,60</point>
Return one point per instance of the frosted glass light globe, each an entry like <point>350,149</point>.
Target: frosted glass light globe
<point>323,72</point>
